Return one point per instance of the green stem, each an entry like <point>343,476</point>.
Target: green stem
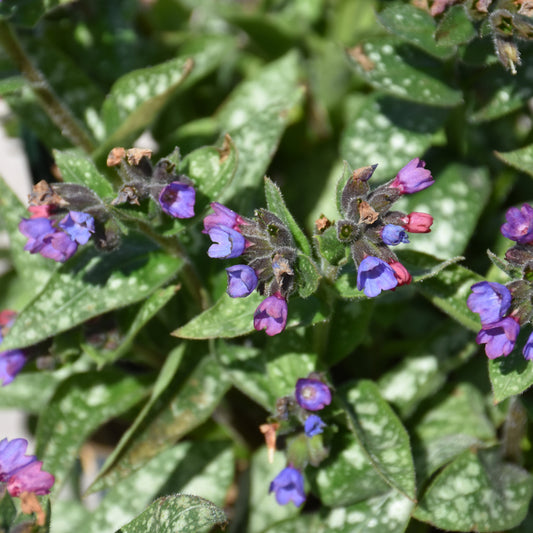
<point>56,110</point>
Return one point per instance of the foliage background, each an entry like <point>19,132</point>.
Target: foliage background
<point>423,432</point>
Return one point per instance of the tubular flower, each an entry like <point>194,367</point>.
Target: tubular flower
<point>78,226</point>
<point>222,216</point>
<point>288,486</point>
<point>490,300</point>
<point>499,337</point>
<point>413,177</point>
<point>519,225</point>
<point>177,199</point>
<point>401,273</point>
<point>227,243</point>
<point>374,276</point>
<point>417,222</point>
<point>313,425</point>
<point>242,281</point>
<point>312,394</point>
<point>393,235</point>
<point>271,315</point>
<point>528,348</point>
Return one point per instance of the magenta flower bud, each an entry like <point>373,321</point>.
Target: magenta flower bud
<point>490,300</point>
<point>223,216</point>
<point>499,338</point>
<point>393,235</point>
<point>519,225</point>
<point>228,243</point>
<point>528,348</point>
<point>413,177</point>
<point>313,425</point>
<point>312,394</point>
<point>417,222</point>
<point>288,486</point>
<point>242,281</point>
<point>177,199</point>
<point>11,363</point>
<point>41,211</point>
<point>78,226</point>
<point>271,315</point>
<point>374,276</point>
<point>401,273</point>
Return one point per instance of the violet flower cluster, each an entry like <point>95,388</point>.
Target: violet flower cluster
<point>311,394</point>
<point>503,309</point>
<point>21,473</point>
<point>267,247</point>
<point>11,361</point>
<point>370,227</point>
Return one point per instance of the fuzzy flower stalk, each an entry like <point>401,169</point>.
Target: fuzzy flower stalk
<point>370,228</point>
<point>504,308</point>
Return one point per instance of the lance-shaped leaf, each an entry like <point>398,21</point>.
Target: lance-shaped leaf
<point>397,68</point>
<point>522,159</point>
<point>415,26</point>
<point>182,512</point>
<point>34,269</point>
<point>477,492</point>
<point>78,168</point>
<point>185,405</point>
<point>381,434</point>
<point>256,115</point>
<point>81,404</point>
<point>455,27</point>
<point>8,511</point>
<point>390,132</point>
<point>91,284</point>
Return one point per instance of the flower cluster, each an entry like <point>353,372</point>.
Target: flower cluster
<point>50,232</point>
<point>370,227</point>
<point>11,361</point>
<point>311,394</point>
<point>22,473</point>
<point>268,248</point>
<point>503,309</point>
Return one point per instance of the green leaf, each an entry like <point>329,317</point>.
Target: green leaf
<point>397,68</point>
<point>233,317</point>
<point>276,205</point>
<point>8,512</point>
<point>386,513</point>
<point>381,434</point>
<point>78,168</point>
<point>455,27</point>
<point>449,290</point>
<point>308,276</point>
<point>33,268</point>
<point>415,26</point>
<point>184,406</point>
<point>477,492</point>
<point>256,115</point>
<point>91,284</point>
<point>389,132</point>
<point>80,405</point>
<point>267,374</point>
<point>455,200</point>
<point>522,159</point>
<point>180,513</point>
<point>11,85</point>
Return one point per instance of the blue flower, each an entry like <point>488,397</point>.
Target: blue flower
<point>490,300</point>
<point>11,363</point>
<point>519,225</point>
<point>313,425</point>
<point>222,216</point>
<point>242,281</point>
<point>46,240</point>
<point>312,394</point>
<point>499,338</point>
<point>228,243</point>
<point>374,276</point>
<point>288,486</point>
<point>78,226</point>
<point>393,235</point>
<point>271,315</point>
<point>528,348</point>
<point>413,177</point>
<point>177,199</point>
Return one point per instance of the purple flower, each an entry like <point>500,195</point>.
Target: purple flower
<point>499,338</point>
<point>46,240</point>
<point>228,243</point>
<point>528,348</point>
<point>223,216</point>
<point>519,225</point>
<point>393,235</point>
<point>242,281</point>
<point>58,246</point>
<point>374,276</point>
<point>78,226</point>
<point>413,177</point>
<point>21,472</point>
<point>271,315</point>
<point>177,199</point>
<point>313,425</point>
<point>11,363</point>
<point>490,300</point>
<point>288,486</point>
<point>312,394</point>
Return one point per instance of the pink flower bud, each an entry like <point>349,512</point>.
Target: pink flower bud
<point>401,273</point>
<point>417,222</point>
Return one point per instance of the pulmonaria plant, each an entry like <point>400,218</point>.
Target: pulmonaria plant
<point>11,361</point>
<point>369,226</point>
<point>311,394</point>
<point>503,309</point>
<point>267,247</point>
